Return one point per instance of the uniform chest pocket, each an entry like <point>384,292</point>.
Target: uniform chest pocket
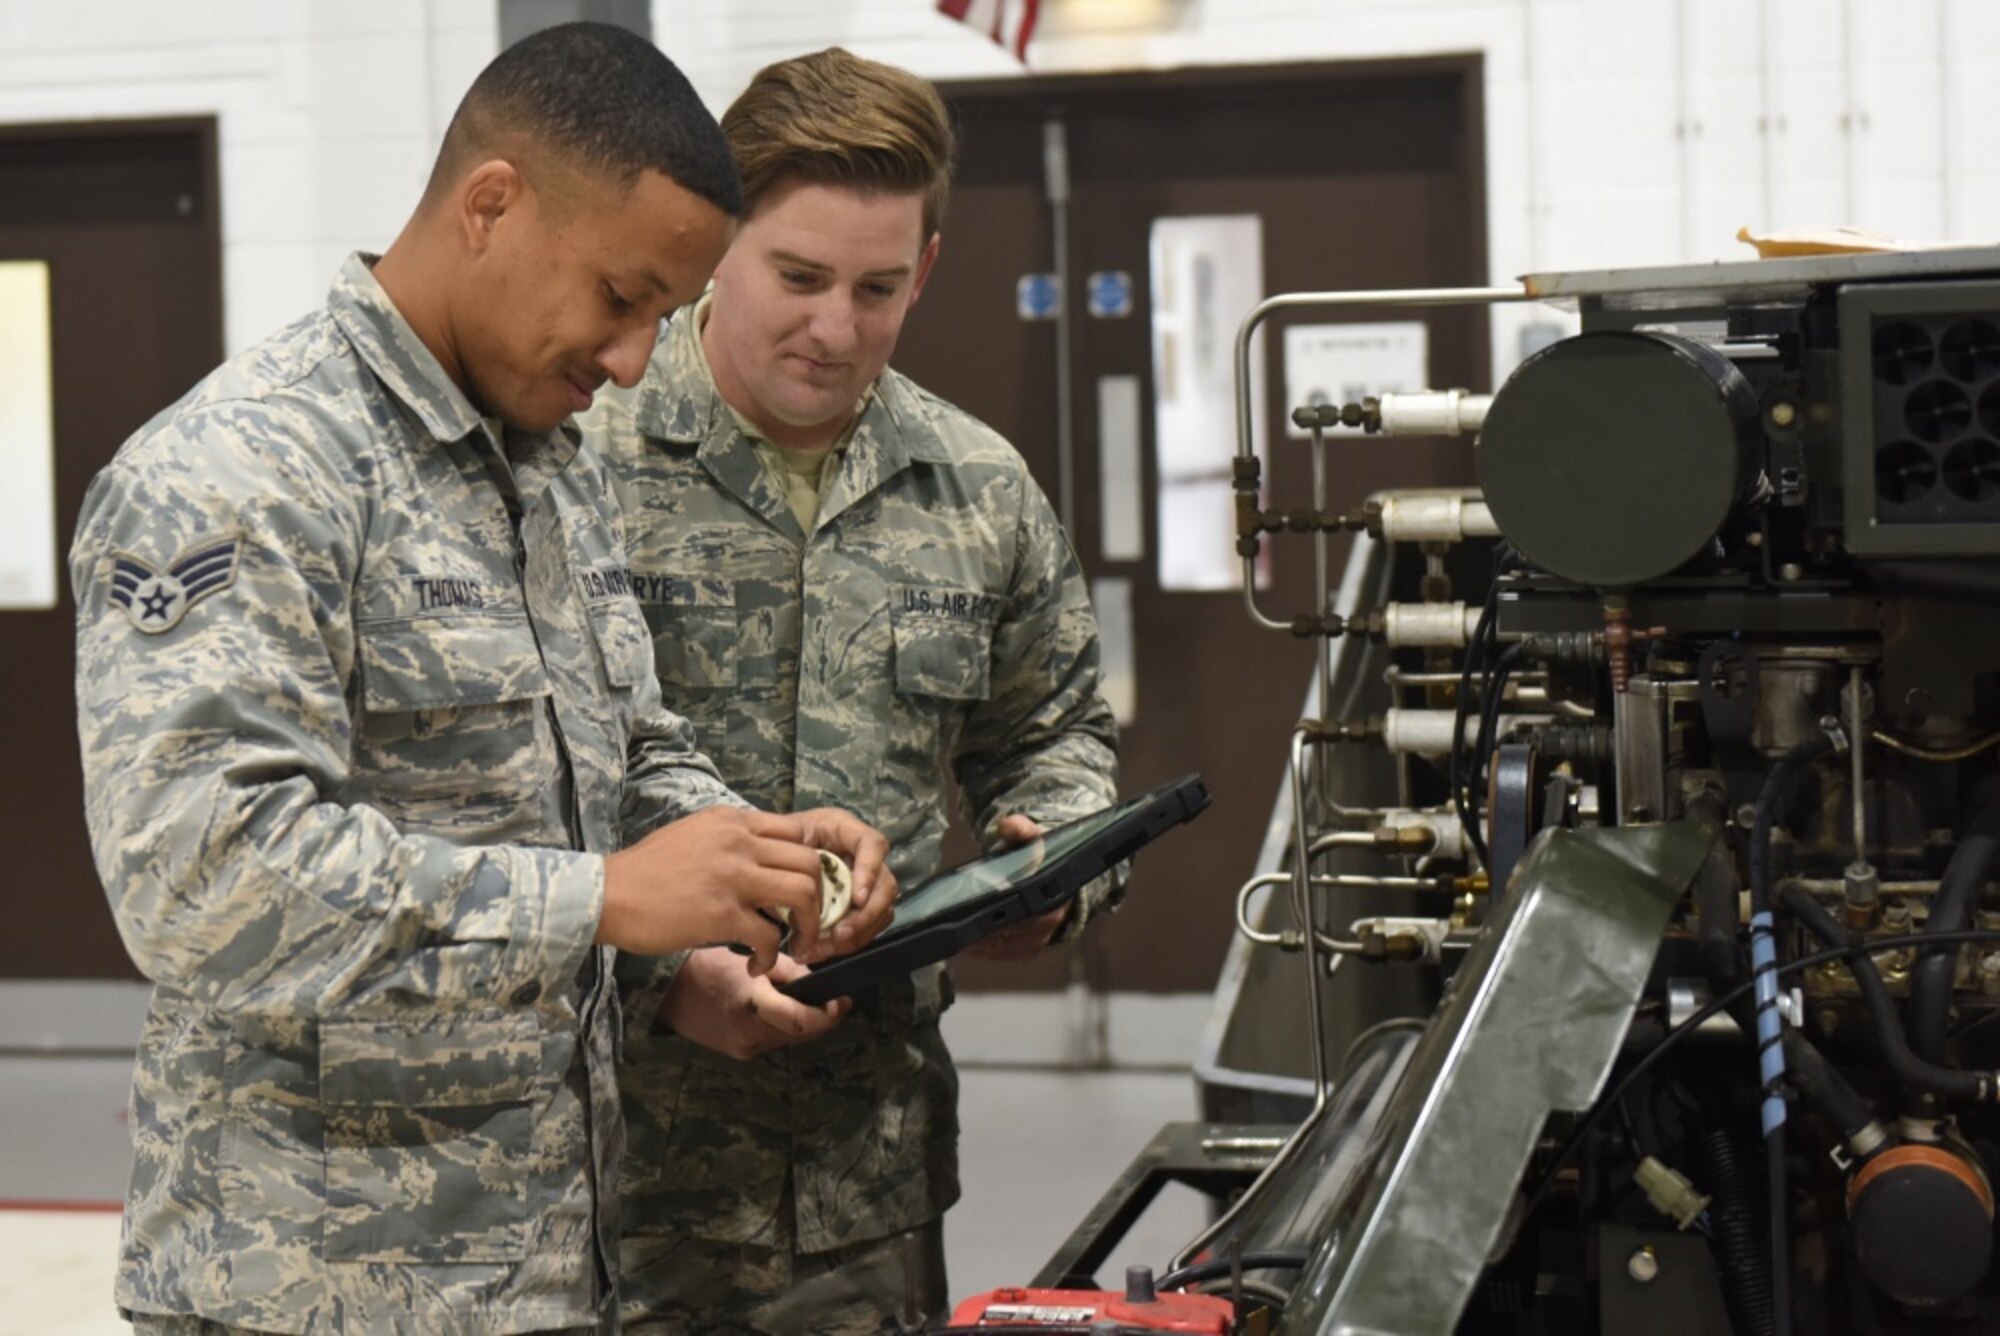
<point>694,635</point>
<point>447,663</point>
<point>429,1127</point>
<point>943,643</point>
<point>454,712</point>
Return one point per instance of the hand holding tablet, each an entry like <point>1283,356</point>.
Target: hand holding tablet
<point>951,911</point>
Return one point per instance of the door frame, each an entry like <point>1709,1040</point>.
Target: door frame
<point>206,130</point>
<point>188,147</point>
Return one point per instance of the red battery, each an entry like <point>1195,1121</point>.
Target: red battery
<point>1081,1309</point>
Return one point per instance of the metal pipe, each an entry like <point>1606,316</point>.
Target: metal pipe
<point>1320,579</point>
<point>1347,839</point>
<point>1370,881</point>
<point>1246,446</point>
<point>1859,780</point>
<point>1055,170</point>
<point>1302,914</point>
<point>1401,832</point>
<point>1896,744</point>
<point>1397,677</point>
<point>1531,694</point>
<point>1243,894</point>
<point>1089,1026</point>
<point>1434,933</point>
<point>1324,882</point>
<point>1828,886</point>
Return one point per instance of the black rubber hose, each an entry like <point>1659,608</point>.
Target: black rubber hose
<point>1491,702</point>
<point>1737,1228</point>
<point>1218,1267</point>
<point>1776,785</point>
<point>1715,899</point>
<point>1826,1089</point>
<point>1912,1070</point>
<point>1770,1022</point>
<point>1474,654</point>
<point>1971,865</point>
<point>1715,888</point>
<point>1588,1124</point>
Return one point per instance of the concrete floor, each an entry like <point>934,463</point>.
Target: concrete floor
<point>1039,1147</point>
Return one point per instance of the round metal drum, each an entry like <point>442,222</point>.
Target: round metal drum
<point>1614,457</point>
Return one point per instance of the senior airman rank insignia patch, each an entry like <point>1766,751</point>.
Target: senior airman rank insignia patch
<point>155,601</point>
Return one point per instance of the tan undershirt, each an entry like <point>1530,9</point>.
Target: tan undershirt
<point>800,474</point>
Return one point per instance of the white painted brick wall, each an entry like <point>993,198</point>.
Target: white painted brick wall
<point>329,114</point>
<point>1618,131</point>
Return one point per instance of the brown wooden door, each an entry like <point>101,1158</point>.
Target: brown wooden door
<point>1365,175</point>
<point>125,216</point>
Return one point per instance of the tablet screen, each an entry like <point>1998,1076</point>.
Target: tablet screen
<point>960,886</point>
<point>941,916</point>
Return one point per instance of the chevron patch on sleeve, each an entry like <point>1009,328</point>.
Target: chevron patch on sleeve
<point>156,601</point>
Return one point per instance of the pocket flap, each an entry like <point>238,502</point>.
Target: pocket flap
<point>945,659</point>
<point>693,645</point>
<point>476,1058</point>
<point>470,659</point>
<point>622,640</point>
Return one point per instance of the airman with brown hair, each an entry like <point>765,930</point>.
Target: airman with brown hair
<point>851,585</point>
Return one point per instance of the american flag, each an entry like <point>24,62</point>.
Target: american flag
<point>1009,22</point>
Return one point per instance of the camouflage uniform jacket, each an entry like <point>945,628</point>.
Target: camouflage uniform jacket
<point>936,610</point>
<point>361,707</point>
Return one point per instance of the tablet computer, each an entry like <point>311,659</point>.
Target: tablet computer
<point>945,914</point>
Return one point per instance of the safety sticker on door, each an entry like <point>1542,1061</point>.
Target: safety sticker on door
<point>1036,297</point>
<point>1110,294</point>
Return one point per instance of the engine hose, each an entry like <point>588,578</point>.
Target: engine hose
<point>1770,1022</point>
<point>1972,863</point>
<point>1715,933</point>
<point>1715,899</point>
<point>1474,651</point>
<point>1828,1091</point>
<point>1216,1268</point>
<point>1908,1067</point>
<point>1490,705</point>
<point>1763,946</point>
<point>1737,1228</point>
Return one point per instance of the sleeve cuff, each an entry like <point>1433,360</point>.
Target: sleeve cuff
<point>558,900</point>
<point>1100,897</point>
<point>643,984</point>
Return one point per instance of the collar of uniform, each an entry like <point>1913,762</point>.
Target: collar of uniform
<point>898,426</point>
<point>394,352</point>
<point>678,402</point>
